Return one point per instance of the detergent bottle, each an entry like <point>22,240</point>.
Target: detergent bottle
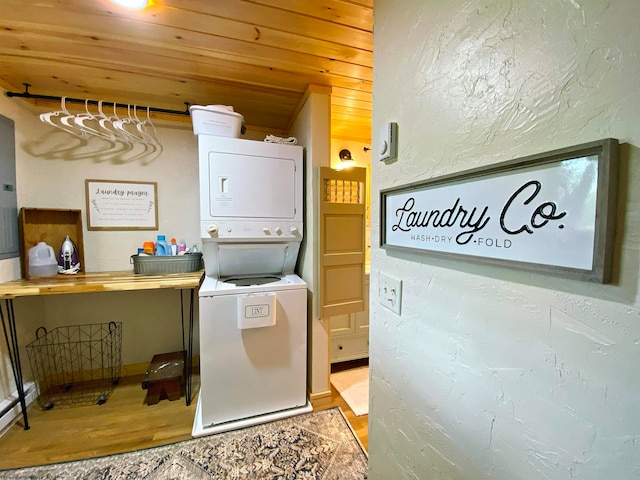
<point>148,248</point>
<point>162,248</point>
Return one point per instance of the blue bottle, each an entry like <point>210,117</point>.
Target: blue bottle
<point>162,247</point>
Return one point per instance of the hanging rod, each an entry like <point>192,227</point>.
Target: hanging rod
<point>27,94</point>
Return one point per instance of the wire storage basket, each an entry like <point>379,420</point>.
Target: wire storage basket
<point>77,364</point>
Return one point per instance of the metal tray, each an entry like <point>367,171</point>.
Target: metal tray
<point>152,265</point>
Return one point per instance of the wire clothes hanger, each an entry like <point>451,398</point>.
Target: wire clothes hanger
<point>121,125</point>
<point>128,129</point>
<point>63,115</point>
<point>112,128</point>
<point>83,122</point>
<point>142,128</point>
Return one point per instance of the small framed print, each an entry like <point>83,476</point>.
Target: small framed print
<point>121,205</point>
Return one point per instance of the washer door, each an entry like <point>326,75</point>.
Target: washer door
<point>244,259</point>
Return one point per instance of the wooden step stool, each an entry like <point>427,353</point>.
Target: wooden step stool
<point>165,377</point>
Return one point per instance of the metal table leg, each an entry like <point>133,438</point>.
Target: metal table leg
<point>189,359</point>
<point>190,348</point>
<point>14,354</point>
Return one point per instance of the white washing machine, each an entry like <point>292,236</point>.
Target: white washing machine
<point>256,350</point>
<point>253,308</point>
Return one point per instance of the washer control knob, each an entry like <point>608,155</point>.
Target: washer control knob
<point>265,230</point>
<point>229,229</point>
<point>293,229</point>
<point>278,230</point>
<point>212,229</point>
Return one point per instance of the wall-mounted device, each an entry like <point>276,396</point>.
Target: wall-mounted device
<point>388,142</point>
<point>8,192</point>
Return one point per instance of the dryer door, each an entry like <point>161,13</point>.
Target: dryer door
<point>242,179</point>
<point>242,186</point>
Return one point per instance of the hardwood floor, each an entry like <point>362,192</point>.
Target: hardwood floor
<point>122,424</point>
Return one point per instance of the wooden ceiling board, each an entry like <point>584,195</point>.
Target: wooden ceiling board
<point>347,102</point>
<point>278,19</point>
<point>338,11</point>
<point>258,55</point>
<point>181,36</point>
<point>260,110</point>
<point>88,19</point>
<point>191,87</point>
<point>116,52</point>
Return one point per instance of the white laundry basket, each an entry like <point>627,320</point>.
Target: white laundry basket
<point>217,120</point>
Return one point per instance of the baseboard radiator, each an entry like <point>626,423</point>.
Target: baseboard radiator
<point>10,406</point>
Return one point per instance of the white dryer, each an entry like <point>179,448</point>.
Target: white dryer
<point>253,308</point>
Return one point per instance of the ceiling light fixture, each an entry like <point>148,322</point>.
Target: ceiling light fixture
<point>345,160</point>
<point>132,4</point>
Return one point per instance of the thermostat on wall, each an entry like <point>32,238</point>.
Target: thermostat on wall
<point>388,143</point>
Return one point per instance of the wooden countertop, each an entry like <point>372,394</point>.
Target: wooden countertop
<point>98,282</point>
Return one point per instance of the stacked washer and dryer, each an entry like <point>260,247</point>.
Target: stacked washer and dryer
<point>252,306</point>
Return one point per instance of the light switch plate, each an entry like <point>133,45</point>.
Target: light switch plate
<point>390,293</point>
<point>388,142</point>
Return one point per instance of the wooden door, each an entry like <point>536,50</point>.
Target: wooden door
<point>342,241</point>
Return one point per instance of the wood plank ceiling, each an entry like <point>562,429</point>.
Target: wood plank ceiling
<point>259,56</point>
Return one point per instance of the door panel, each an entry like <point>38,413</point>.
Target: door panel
<point>342,325</point>
<point>342,241</point>
<point>343,233</point>
<point>342,284</point>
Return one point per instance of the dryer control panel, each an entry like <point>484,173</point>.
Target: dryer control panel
<point>250,230</point>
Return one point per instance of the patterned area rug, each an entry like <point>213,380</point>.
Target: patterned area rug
<point>317,445</point>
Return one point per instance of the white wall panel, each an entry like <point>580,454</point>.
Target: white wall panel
<point>489,372</point>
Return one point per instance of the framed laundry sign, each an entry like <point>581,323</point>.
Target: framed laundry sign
<point>552,213</point>
<point>121,205</point>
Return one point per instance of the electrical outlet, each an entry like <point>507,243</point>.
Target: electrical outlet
<point>390,293</point>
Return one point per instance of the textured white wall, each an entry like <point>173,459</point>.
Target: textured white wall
<point>51,169</point>
<point>312,129</point>
<point>491,372</point>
